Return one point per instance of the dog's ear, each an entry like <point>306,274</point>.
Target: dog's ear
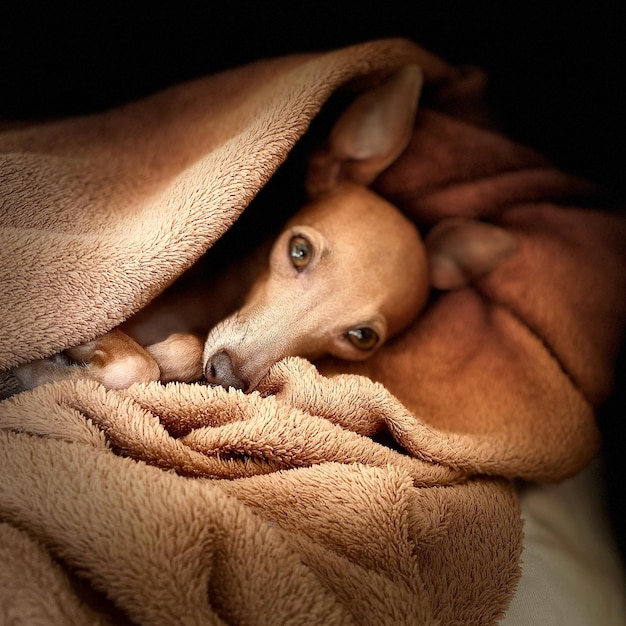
<point>461,250</point>
<point>369,135</point>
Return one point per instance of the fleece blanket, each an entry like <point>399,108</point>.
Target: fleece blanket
<point>372,493</point>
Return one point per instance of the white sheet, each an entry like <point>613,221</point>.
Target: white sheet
<point>572,572</point>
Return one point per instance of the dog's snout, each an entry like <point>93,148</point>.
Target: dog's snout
<point>220,370</point>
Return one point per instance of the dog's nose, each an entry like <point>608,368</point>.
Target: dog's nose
<point>220,370</point>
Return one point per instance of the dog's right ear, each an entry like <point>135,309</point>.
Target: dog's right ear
<point>461,250</point>
<point>370,134</point>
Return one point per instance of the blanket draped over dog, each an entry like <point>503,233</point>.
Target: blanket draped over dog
<point>377,493</point>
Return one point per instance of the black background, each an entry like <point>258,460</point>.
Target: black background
<point>556,71</point>
<point>556,68</point>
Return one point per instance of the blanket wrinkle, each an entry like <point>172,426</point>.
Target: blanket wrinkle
<point>19,416</point>
<point>51,598</point>
<point>158,581</point>
<point>374,492</point>
<point>343,496</point>
<point>266,443</point>
<point>259,492</point>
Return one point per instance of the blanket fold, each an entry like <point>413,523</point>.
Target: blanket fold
<point>369,493</point>
<point>341,541</point>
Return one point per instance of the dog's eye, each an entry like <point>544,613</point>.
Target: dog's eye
<point>363,338</point>
<point>300,252</point>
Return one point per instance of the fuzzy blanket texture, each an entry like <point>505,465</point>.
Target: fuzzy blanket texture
<point>371,493</point>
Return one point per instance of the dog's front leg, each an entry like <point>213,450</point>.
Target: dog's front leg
<point>179,357</point>
<point>113,359</point>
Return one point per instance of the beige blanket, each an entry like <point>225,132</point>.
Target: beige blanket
<point>316,500</point>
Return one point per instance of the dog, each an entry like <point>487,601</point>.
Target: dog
<point>347,272</point>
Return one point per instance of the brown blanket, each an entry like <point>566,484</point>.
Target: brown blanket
<point>316,500</point>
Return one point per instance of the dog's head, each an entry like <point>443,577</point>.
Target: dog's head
<point>349,270</point>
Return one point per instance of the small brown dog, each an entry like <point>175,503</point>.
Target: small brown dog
<point>347,272</point>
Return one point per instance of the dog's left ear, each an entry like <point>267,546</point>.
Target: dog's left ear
<point>461,250</point>
<point>370,134</point>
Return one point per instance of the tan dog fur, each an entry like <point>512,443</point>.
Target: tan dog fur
<point>367,270</point>
<point>367,274</point>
